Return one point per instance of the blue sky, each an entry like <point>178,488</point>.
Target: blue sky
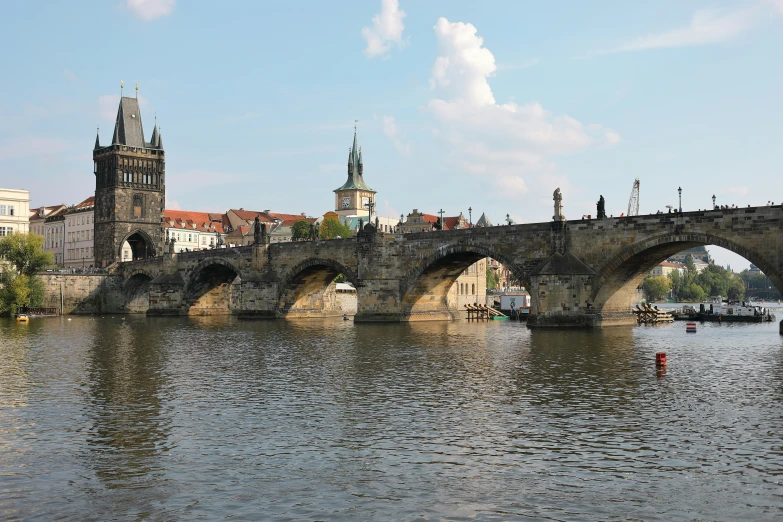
<point>490,105</point>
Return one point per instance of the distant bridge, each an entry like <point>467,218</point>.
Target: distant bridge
<point>579,273</point>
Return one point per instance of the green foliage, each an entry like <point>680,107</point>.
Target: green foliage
<point>300,230</point>
<point>25,252</point>
<point>19,291</point>
<point>656,287</point>
<point>492,278</point>
<point>712,281</point>
<point>340,279</point>
<point>331,228</point>
<point>693,293</point>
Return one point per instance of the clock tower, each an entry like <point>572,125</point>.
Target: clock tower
<point>353,197</point>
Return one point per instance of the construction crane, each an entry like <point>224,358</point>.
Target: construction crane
<point>633,201</point>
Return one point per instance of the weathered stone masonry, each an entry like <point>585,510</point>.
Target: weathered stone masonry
<point>580,273</point>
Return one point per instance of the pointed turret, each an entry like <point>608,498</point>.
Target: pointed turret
<point>355,169</point>
<point>160,140</point>
<point>154,139</point>
<point>97,141</point>
<point>128,129</point>
<point>116,137</point>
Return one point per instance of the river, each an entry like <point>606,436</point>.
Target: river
<point>105,418</point>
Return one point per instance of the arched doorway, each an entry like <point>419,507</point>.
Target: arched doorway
<point>138,245</point>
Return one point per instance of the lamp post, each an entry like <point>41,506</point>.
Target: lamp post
<point>370,206</point>
<point>401,222</point>
<point>679,190</point>
<point>713,201</point>
<point>470,216</point>
<point>442,225</point>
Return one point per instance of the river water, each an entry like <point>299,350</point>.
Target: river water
<point>104,418</point>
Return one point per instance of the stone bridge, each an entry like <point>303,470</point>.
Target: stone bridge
<point>579,273</point>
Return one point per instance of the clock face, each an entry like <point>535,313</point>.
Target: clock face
<point>346,202</point>
<point>365,202</point>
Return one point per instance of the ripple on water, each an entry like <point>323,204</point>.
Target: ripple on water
<point>204,417</point>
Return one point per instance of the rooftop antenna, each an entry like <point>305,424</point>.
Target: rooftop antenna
<point>122,86</point>
<point>137,90</point>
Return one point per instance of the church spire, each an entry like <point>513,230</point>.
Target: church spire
<point>355,168</point>
<point>97,139</point>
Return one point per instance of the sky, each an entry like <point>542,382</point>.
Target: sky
<point>460,104</point>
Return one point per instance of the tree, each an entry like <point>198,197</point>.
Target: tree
<point>19,286</point>
<point>331,229</point>
<point>25,252</point>
<point>693,293</point>
<point>492,278</point>
<point>690,266</point>
<point>300,230</point>
<point>656,287</point>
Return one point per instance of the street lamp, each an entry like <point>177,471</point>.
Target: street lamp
<point>470,216</point>
<point>679,189</point>
<point>713,201</point>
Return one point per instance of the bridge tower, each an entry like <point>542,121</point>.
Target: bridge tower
<point>130,189</point>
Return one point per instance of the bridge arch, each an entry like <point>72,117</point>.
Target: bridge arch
<point>425,288</point>
<point>305,290</point>
<point>615,283</point>
<point>141,245</point>
<point>212,288</point>
<point>136,291</point>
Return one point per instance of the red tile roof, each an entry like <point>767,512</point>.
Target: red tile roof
<point>185,219</point>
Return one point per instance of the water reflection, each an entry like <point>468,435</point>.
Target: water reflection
<point>129,423</point>
<point>175,418</point>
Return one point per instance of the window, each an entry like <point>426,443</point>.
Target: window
<point>137,205</point>
<point>5,231</point>
<point>3,210</point>
<point>11,210</point>
<point>473,286</point>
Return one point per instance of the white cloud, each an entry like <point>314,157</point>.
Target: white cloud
<point>386,29</point>
<point>777,4</point>
<point>150,9</point>
<point>707,26</point>
<point>513,143</point>
<point>463,63</point>
<point>392,132</point>
<point>172,204</point>
<point>511,186</point>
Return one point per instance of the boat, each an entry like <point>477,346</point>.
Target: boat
<point>718,310</point>
<point>22,318</point>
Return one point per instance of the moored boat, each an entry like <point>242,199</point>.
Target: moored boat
<point>719,310</point>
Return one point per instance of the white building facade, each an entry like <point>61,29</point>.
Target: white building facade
<point>79,240</point>
<point>14,211</point>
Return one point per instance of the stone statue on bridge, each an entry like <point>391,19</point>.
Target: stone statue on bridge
<point>256,231</point>
<point>558,199</point>
<point>601,208</point>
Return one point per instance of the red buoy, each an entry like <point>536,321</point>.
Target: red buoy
<point>660,359</point>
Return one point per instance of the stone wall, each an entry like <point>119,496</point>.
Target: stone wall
<point>83,294</point>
